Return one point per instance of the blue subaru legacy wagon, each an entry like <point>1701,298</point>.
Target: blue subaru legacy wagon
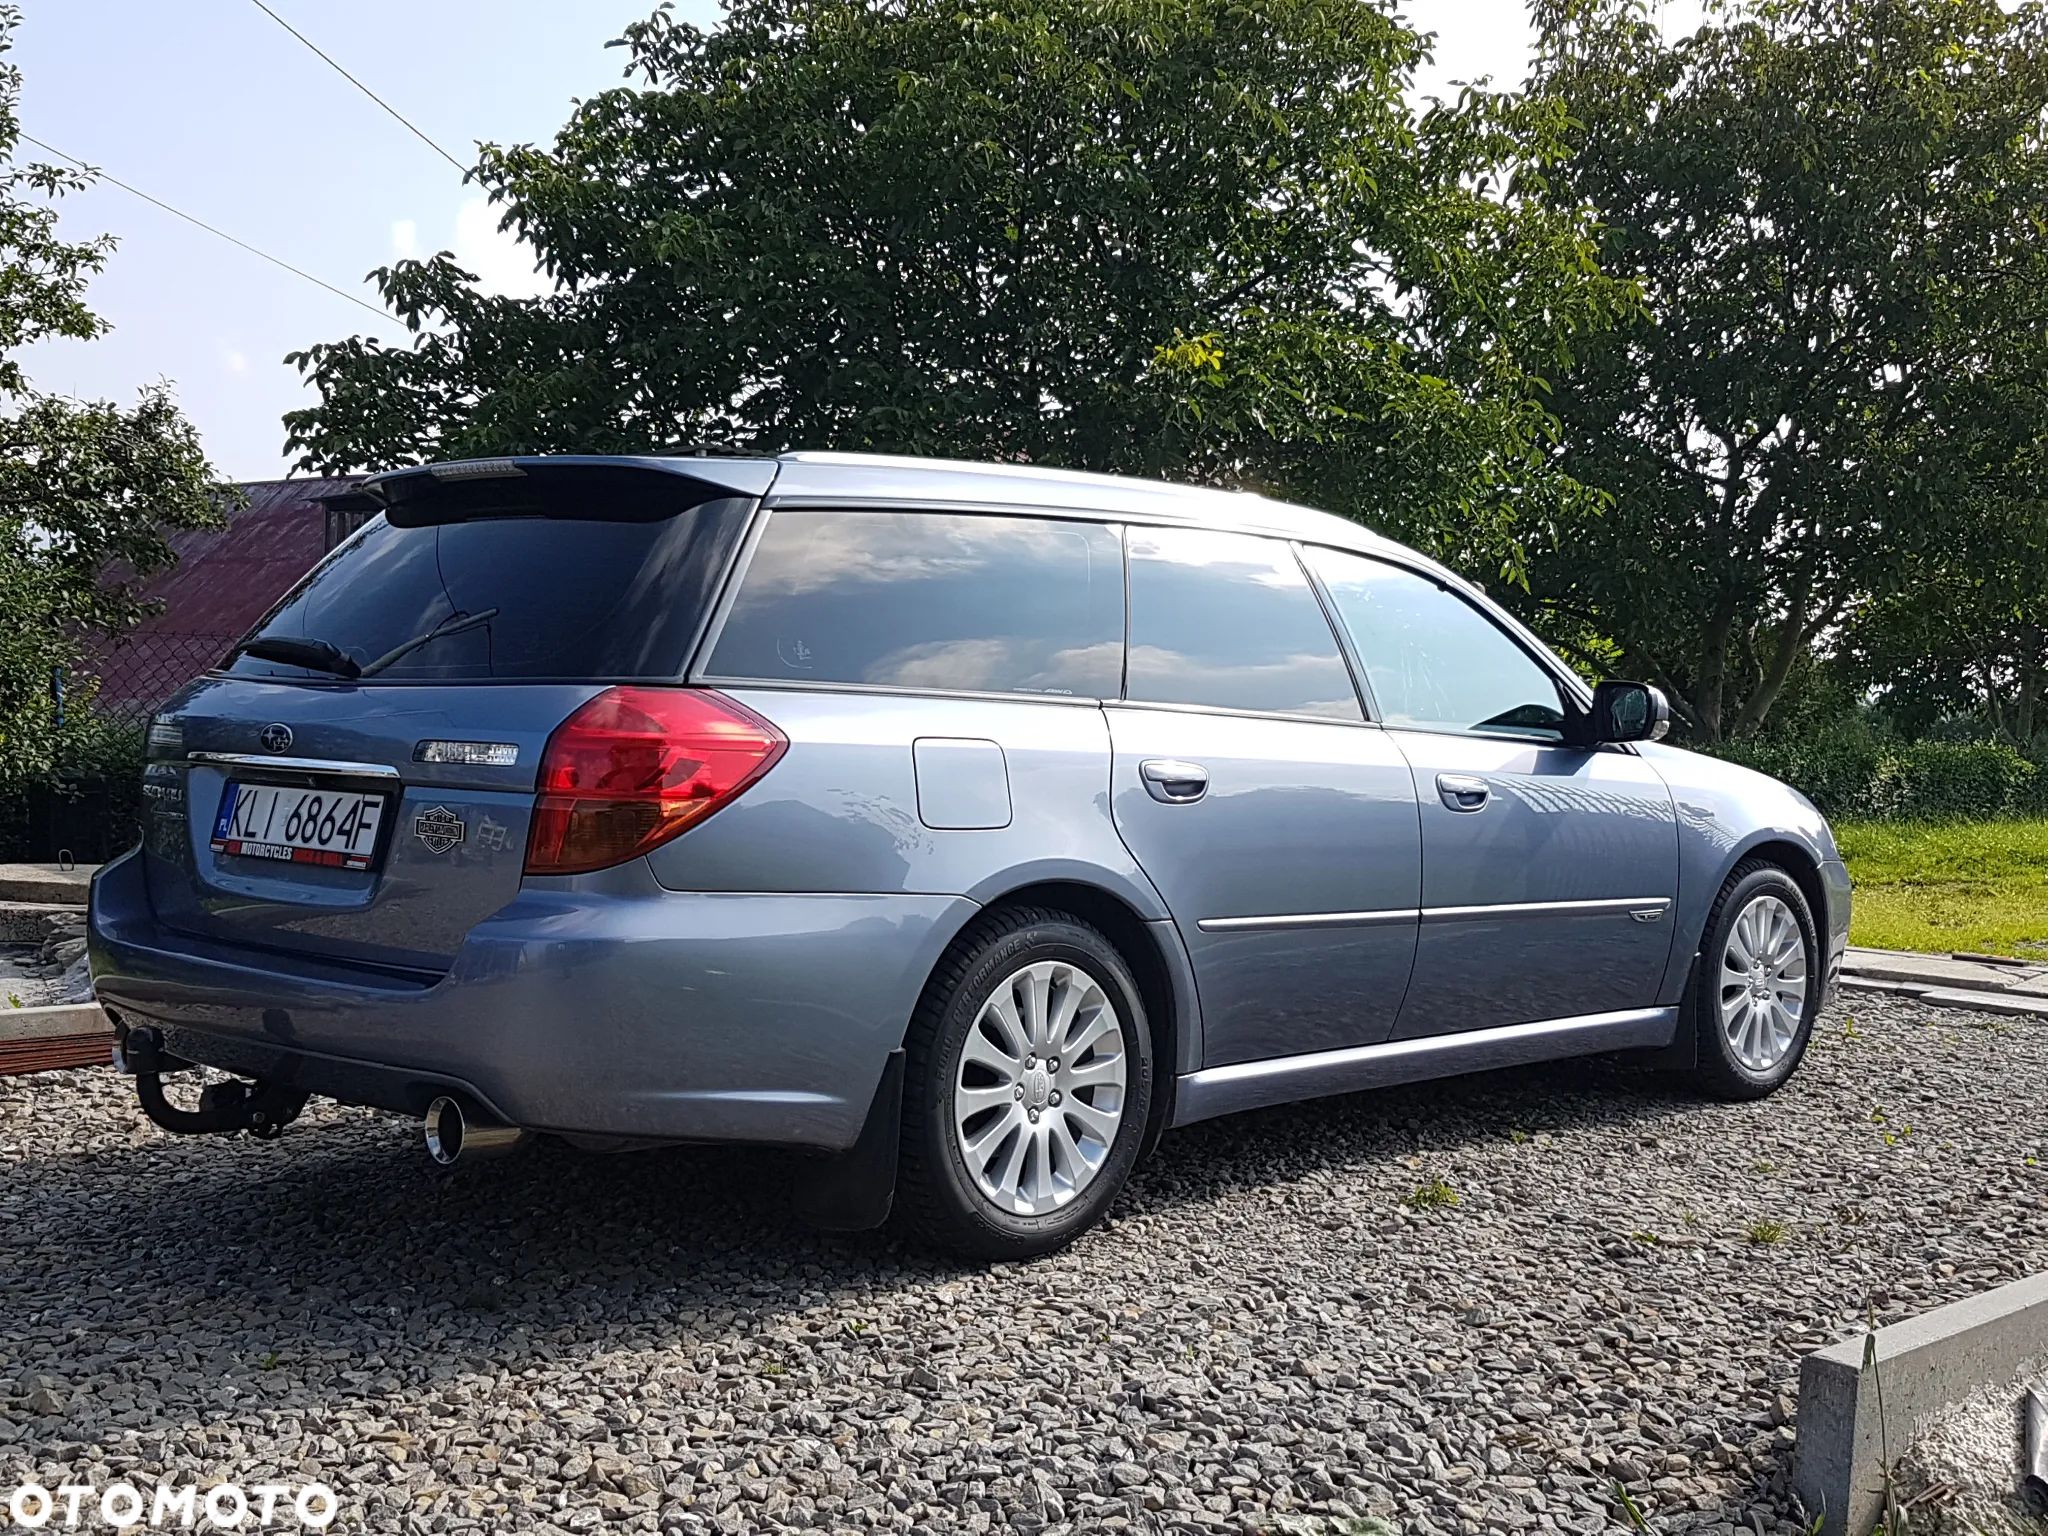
<point>966,825</point>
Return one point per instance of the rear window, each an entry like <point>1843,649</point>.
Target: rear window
<point>578,598</point>
<point>979,604</point>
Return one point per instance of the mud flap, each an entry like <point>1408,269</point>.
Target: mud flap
<point>1683,1053</point>
<point>853,1191</point>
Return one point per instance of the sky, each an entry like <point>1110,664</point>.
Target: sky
<point>214,108</point>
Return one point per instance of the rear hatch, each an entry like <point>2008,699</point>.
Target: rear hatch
<point>377,819</point>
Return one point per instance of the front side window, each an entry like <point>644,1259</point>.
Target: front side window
<point>929,600</point>
<point>1228,621</point>
<point>1435,662</point>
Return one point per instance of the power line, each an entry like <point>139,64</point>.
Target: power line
<point>202,224</point>
<point>352,80</point>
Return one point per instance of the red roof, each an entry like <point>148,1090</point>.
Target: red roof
<point>224,581</point>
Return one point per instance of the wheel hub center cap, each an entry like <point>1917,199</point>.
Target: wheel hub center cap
<point>1037,1088</point>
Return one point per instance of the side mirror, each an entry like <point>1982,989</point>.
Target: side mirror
<point>1629,712</point>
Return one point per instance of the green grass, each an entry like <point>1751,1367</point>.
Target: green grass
<point>1433,1196</point>
<point>1980,886</point>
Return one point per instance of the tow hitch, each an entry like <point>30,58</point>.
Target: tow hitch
<point>263,1109</point>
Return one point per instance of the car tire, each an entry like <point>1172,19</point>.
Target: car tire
<point>1747,1046</point>
<point>1010,1151</point>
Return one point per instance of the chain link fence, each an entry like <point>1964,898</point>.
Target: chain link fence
<point>128,678</point>
<point>89,810</point>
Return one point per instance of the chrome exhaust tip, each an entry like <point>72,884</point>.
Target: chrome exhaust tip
<point>450,1134</point>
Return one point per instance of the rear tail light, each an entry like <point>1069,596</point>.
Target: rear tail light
<point>635,766</point>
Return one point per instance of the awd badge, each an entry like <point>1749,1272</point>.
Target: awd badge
<point>439,828</point>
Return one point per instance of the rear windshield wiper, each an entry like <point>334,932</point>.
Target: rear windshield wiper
<point>454,624</point>
<point>316,654</point>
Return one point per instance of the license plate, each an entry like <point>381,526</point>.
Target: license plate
<point>337,828</point>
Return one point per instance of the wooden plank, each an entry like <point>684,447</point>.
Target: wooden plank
<point>52,1054</point>
<point>53,1022</point>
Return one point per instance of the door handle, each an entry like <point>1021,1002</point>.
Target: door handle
<point>1463,792</point>
<point>1170,780</point>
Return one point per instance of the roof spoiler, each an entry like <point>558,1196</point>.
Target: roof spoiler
<point>564,486</point>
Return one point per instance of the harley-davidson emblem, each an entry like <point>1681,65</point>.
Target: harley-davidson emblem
<point>439,828</point>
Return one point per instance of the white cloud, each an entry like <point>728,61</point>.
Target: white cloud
<point>502,264</point>
<point>405,238</point>
<point>234,359</point>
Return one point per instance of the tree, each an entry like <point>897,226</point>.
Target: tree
<point>1963,638</point>
<point>1208,239</point>
<point>1837,211</point>
<point>86,488</point>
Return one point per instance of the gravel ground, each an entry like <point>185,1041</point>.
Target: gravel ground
<point>1280,1328</point>
<point>1965,1473</point>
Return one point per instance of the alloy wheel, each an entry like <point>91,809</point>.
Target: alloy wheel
<point>1763,982</point>
<point>1039,1093</point>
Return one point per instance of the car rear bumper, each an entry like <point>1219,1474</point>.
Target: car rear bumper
<point>656,1014</point>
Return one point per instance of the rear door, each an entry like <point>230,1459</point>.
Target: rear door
<point>378,820</point>
<point>1279,827</point>
<point>1548,870</point>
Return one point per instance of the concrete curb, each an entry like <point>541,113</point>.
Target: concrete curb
<point>45,882</point>
<point>53,1022</point>
<point>1850,1417</point>
<point>2012,1004</point>
<point>2021,1005</point>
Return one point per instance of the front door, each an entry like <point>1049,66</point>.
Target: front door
<point>1548,876</point>
<point>1549,871</point>
<point>1280,828</point>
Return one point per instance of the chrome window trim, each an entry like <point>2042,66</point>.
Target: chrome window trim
<point>333,766</point>
<point>1239,714</point>
<point>1453,734</point>
<point>896,690</point>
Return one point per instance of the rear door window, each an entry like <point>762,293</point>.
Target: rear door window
<point>1228,621</point>
<point>929,600</point>
<point>577,598</point>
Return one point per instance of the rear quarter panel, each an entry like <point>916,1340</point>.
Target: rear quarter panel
<point>840,811</point>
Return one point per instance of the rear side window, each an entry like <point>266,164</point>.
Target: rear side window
<point>1229,621</point>
<point>930,600</point>
<point>577,598</point>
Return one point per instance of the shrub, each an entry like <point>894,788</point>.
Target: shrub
<point>86,800</point>
<point>1834,771</point>
<point>1945,781</point>
<point>1851,773</point>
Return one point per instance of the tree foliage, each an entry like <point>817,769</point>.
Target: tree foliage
<point>1838,213</point>
<point>1209,239</point>
<point>87,488</point>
